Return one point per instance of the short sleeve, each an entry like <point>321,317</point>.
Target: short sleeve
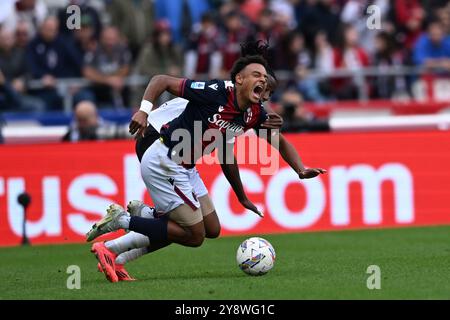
<point>211,92</point>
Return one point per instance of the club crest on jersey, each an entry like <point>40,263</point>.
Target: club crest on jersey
<point>228,84</point>
<point>248,116</point>
<point>198,85</point>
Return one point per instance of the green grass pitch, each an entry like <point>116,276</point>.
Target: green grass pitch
<point>414,262</point>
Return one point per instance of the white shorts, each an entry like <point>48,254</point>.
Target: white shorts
<point>169,184</point>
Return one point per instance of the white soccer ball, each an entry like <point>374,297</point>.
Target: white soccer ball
<point>255,256</point>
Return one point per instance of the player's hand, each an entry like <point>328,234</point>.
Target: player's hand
<point>311,173</point>
<point>138,123</point>
<point>249,205</point>
<point>275,121</point>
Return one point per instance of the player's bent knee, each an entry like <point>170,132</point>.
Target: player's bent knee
<point>197,233</point>
<point>213,233</point>
<point>212,225</point>
<point>197,241</point>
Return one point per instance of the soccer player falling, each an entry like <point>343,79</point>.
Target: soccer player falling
<point>169,173</point>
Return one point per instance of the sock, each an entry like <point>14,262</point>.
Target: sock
<point>131,255</point>
<point>131,240</point>
<point>155,229</point>
<point>124,222</point>
<point>148,212</point>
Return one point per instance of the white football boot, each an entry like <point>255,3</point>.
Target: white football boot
<point>109,223</point>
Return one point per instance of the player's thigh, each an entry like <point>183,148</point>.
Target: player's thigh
<point>210,218</point>
<point>201,193</point>
<point>186,217</point>
<point>192,222</point>
<point>167,182</point>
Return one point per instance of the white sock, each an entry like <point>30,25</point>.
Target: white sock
<point>129,241</point>
<point>148,212</point>
<point>124,221</point>
<point>131,255</point>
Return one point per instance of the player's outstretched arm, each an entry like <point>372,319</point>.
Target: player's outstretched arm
<point>157,85</point>
<point>291,156</point>
<point>231,172</point>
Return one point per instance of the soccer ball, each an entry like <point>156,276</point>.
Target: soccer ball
<point>255,256</point>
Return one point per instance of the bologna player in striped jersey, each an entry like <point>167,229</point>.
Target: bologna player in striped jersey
<point>230,110</point>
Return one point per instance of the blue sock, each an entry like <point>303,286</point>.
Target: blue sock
<point>155,229</point>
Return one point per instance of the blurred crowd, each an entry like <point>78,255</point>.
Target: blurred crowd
<point>200,39</point>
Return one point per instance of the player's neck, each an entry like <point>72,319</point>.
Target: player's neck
<point>242,102</point>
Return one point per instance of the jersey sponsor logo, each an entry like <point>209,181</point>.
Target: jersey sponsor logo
<point>214,86</point>
<point>198,85</point>
<point>224,124</point>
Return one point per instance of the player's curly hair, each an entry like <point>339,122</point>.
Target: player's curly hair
<point>251,52</point>
<point>255,48</point>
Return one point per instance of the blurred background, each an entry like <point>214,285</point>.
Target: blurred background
<point>330,64</point>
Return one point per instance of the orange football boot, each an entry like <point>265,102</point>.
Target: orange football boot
<point>106,259</point>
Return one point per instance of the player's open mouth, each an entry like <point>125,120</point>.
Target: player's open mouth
<point>257,91</point>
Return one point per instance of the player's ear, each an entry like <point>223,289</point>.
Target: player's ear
<point>239,78</point>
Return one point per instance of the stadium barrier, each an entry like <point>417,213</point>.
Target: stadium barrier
<point>39,134</point>
<point>374,180</point>
<point>427,85</point>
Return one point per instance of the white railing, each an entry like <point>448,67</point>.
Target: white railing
<point>64,86</point>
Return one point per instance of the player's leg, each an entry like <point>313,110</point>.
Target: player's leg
<point>170,188</point>
<point>210,219</point>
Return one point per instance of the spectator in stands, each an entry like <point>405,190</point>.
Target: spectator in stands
<point>296,117</point>
<point>88,125</point>
<point>266,31</point>
<point>235,33</point>
<point>107,67</point>
<point>88,13</point>
<point>354,12</point>
<point>284,13</point>
<point>323,62</point>
<point>432,49</point>
<point>22,33</point>
<point>349,56</point>
<point>84,40</point>
<point>12,61</point>
<point>159,55</point>
<point>292,53</point>
<point>385,56</point>
<point>442,13</point>
<point>203,58</point>
<point>134,19</point>
<point>33,12</point>
<point>252,8</point>
<point>409,17</point>
<point>50,58</point>
<point>181,14</point>
<point>9,98</point>
<point>314,15</point>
